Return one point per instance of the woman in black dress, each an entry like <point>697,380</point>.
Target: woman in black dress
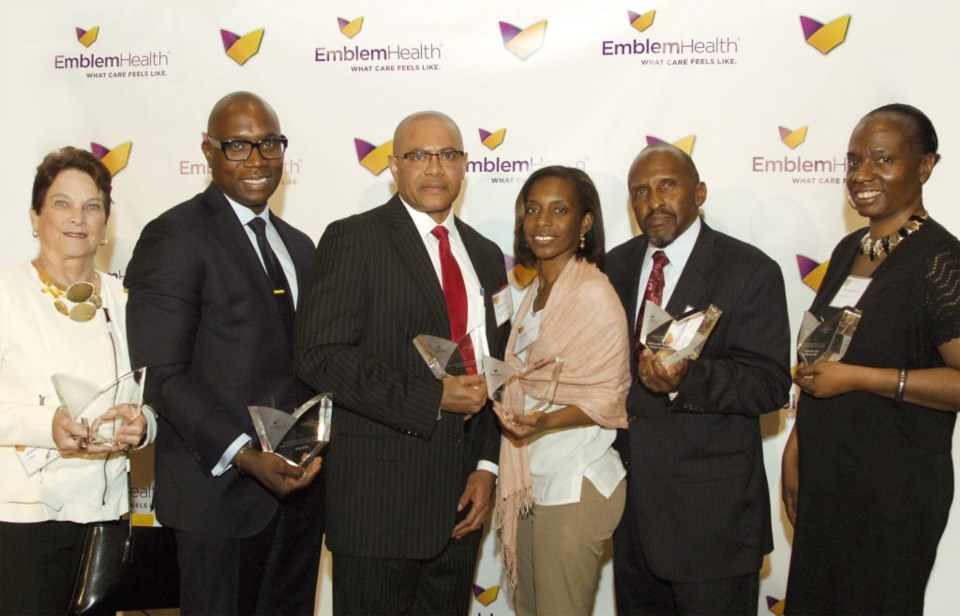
<point>867,471</point>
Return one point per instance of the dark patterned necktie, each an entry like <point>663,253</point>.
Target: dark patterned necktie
<point>653,293</point>
<point>281,289</point>
<point>455,293</point>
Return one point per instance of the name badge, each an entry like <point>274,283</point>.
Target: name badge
<point>503,305</point>
<point>850,291</point>
<point>527,332</point>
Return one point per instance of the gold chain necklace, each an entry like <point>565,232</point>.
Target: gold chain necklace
<point>872,249</point>
<point>83,295</point>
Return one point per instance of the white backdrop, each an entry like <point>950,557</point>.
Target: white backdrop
<point>579,85</point>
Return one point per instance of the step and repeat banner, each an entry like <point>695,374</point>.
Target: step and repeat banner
<point>763,94</point>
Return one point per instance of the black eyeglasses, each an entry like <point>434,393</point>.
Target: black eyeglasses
<point>422,157</point>
<point>270,148</point>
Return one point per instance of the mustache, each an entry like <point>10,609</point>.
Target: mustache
<point>659,213</point>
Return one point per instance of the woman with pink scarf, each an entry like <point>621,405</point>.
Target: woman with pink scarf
<point>561,489</point>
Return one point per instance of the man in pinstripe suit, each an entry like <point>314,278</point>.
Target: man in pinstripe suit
<point>409,471</point>
<point>697,520</point>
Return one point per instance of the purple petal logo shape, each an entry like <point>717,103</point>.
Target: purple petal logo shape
<point>363,148</point>
<point>806,265</point>
<point>508,31</point>
<point>229,38</point>
<point>484,134</point>
<point>810,26</point>
<point>98,150</point>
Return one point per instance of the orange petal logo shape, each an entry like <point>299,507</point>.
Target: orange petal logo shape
<point>792,138</point>
<point>373,158</point>
<point>523,43</point>
<point>641,22</point>
<point>114,160</point>
<point>88,37</point>
<point>350,28</point>
<point>492,140</point>
<point>486,596</point>
<point>824,38</point>
<point>241,48</point>
<point>685,144</point>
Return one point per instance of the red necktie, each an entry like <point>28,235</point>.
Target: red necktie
<point>455,293</point>
<point>653,293</point>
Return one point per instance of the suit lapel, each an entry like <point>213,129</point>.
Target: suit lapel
<point>634,285</point>
<point>488,277</point>
<point>402,234</point>
<point>225,227</point>
<point>691,289</point>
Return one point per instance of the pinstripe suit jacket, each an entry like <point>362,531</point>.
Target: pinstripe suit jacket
<point>695,468</point>
<point>203,317</point>
<point>394,471</point>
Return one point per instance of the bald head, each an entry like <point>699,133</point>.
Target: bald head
<point>237,103</point>
<point>667,148</point>
<point>400,134</point>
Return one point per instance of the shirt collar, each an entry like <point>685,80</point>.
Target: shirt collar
<point>425,223</point>
<point>245,214</point>
<point>679,250</point>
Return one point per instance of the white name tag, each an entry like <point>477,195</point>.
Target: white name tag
<point>850,292</point>
<point>503,305</point>
<point>527,332</point>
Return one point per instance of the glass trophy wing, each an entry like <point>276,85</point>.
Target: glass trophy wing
<point>87,402</point>
<point>441,355</point>
<point>298,436</point>
<point>826,339</point>
<point>498,373</point>
<point>683,336</point>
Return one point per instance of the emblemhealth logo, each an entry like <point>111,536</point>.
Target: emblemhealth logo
<point>792,138</point>
<point>350,28</point>
<point>811,272</point>
<point>385,58</point>
<point>241,48</point>
<point>114,160</point>
<point>776,606</point>
<point>641,22</point>
<point>373,158</point>
<point>485,596</point>
<point>719,50</point>
<point>526,42</point>
<point>824,38</point>
<point>685,144</point>
<point>492,140</point>
<point>88,37</point>
<point>803,170</point>
<point>115,66</point>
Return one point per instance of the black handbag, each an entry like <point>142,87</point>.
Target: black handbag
<point>125,567</point>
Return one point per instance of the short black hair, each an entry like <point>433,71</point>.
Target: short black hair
<point>588,200</point>
<point>923,134</point>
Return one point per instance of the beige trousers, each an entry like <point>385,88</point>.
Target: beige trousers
<point>559,552</point>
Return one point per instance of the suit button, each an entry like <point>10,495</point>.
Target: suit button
<point>632,418</point>
<point>457,438</point>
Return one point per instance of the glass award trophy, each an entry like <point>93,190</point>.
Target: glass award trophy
<point>683,336</point>
<point>87,402</point>
<point>441,354</point>
<point>298,436</point>
<point>499,373</point>
<point>826,339</point>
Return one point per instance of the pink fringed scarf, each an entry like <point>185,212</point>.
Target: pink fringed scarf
<point>584,323</point>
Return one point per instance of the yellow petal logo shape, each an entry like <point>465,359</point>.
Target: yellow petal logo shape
<point>641,22</point>
<point>523,43</point>
<point>88,37</point>
<point>116,159</point>
<point>825,38</point>
<point>373,158</point>
<point>686,144</point>
<point>793,138</point>
<point>487,596</point>
<point>350,28</point>
<point>492,140</point>
<point>246,46</point>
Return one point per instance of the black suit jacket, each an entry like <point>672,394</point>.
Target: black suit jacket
<point>394,471</point>
<point>696,477</point>
<point>203,317</point>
